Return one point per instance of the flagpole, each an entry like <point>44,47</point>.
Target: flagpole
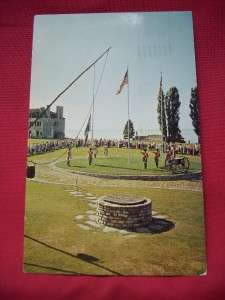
<point>93,109</point>
<point>162,116</point>
<point>128,113</point>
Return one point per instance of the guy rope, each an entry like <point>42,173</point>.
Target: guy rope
<point>95,92</point>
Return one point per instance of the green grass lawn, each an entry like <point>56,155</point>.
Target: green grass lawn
<point>56,244</point>
<point>117,162</point>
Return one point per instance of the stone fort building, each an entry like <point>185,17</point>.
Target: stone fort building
<point>50,125</point>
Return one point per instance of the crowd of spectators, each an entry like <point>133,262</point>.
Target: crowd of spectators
<point>43,147</point>
<point>48,146</point>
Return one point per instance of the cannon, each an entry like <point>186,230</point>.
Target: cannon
<point>177,164</point>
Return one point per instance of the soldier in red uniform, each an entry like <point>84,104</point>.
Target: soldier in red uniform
<point>69,156</point>
<point>157,156</point>
<point>90,156</point>
<point>145,158</point>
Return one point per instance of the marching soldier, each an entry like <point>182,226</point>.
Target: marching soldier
<point>90,156</point>
<point>157,156</point>
<point>69,156</point>
<point>145,158</point>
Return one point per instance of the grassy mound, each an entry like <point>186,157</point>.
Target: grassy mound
<point>117,163</point>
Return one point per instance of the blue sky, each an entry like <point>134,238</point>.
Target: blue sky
<point>150,43</point>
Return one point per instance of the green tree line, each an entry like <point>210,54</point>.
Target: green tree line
<point>168,114</point>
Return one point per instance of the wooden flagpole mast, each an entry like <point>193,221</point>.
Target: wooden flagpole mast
<point>69,85</point>
<point>93,110</point>
<point>128,113</point>
<point>162,131</point>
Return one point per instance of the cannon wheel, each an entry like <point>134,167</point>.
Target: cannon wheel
<point>186,164</point>
<point>182,167</point>
<point>174,167</point>
<point>170,165</point>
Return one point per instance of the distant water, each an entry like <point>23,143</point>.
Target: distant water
<point>188,134</point>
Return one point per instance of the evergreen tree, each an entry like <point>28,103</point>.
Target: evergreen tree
<point>162,113</point>
<point>194,110</point>
<point>172,105</point>
<point>131,130</point>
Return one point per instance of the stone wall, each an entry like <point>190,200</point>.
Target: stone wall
<point>124,216</point>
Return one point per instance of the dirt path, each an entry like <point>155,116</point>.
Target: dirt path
<point>54,175</point>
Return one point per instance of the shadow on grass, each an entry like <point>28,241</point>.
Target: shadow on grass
<point>53,269</point>
<point>116,167</point>
<point>80,167</point>
<point>159,225</point>
<point>82,256</point>
<point>104,166</point>
<point>160,169</point>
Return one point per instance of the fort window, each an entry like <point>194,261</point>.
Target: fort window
<point>47,124</point>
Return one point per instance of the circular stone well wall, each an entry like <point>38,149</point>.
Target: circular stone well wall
<point>124,212</point>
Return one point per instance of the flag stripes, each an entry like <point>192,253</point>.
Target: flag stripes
<point>123,83</point>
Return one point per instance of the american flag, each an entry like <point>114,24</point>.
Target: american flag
<point>123,83</point>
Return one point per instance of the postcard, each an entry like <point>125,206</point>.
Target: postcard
<point>114,176</point>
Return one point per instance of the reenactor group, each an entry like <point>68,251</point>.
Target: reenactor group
<point>93,151</point>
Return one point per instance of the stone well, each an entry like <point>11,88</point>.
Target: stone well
<point>124,212</point>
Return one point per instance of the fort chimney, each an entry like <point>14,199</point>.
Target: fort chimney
<point>59,112</point>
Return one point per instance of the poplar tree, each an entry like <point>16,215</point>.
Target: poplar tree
<point>162,114</point>
<point>194,112</point>
<point>172,105</point>
<point>131,130</point>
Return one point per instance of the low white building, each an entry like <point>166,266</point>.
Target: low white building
<point>49,124</point>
